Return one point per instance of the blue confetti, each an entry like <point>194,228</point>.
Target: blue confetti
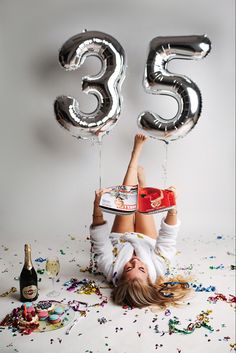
<point>40,259</point>
<point>200,288</point>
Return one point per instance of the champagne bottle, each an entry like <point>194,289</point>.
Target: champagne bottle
<point>28,279</point>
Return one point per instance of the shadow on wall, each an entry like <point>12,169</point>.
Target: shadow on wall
<point>59,144</point>
<point>48,71</point>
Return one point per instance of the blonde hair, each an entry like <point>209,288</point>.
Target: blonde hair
<point>163,293</point>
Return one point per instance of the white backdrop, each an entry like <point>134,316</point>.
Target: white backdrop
<point>48,177</point>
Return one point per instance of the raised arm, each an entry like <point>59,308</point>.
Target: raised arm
<point>171,217</point>
<point>101,244</point>
<point>97,212</point>
<point>166,241</point>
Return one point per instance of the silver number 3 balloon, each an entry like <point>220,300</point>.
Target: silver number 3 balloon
<point>105,85</point>
<point>158,80</point>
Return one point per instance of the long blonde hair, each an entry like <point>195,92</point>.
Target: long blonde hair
<point>163,293</point>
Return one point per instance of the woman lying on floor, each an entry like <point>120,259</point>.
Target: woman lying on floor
<point>134,256</point>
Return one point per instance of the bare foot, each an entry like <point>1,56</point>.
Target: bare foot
<point>138,142</point>
<point>141,176</point>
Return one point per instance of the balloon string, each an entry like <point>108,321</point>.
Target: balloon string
<point>100,162</point>
<point>165,165</point>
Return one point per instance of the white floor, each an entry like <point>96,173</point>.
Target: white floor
<point>126,331</point>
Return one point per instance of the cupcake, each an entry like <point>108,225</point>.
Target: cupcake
<point>45,306</point>
<point>26,319</point>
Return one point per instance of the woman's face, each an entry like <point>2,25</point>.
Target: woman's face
<point>119,202</point>
<point>135,268</point>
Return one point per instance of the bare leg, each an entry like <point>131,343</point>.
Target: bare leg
<point>124,224</point>
<point>144,223</point>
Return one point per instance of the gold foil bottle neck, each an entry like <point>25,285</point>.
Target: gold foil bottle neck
<point>28,261</point>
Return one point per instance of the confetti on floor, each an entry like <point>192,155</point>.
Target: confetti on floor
<point>204,324</point>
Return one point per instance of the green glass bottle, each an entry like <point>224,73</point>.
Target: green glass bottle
<point>28,279</point>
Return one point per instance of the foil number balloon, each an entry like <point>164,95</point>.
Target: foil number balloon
<point>158,80</point>
<point>105,85</point>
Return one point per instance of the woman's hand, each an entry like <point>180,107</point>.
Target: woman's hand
<point>173,189</point>
<point>98,195</point>
<point>97,212</point>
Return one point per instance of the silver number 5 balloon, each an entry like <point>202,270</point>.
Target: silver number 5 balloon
<point>158,80</point>
<point>105,85</point>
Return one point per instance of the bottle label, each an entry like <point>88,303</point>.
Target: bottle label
<point>29,292</point>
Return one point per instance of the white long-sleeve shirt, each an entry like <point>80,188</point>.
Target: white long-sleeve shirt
<point>111,251</point>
